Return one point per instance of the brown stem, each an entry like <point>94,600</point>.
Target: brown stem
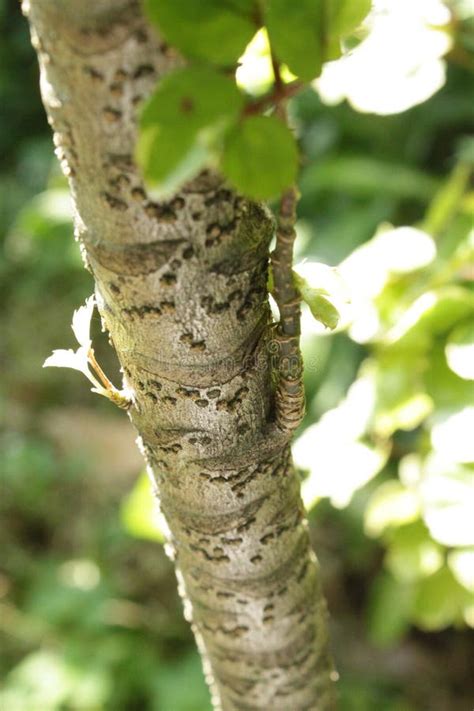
<point>276,71</point>
<point>280,93</point>
<point>99,372</point>
<point>290,400</point>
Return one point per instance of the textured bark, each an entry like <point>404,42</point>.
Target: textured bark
<point>181,287</point>
<point>289,397</point>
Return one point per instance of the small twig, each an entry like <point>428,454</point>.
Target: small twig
<point>276,70</point>
<point>290,399</point>
<point>118,397</point>
<point>290,396</point>
<point>281,92</point>
<point>98,370</point>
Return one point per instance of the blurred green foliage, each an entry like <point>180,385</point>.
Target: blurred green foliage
<point>89,614</point>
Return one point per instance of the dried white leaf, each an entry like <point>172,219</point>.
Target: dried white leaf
<point>77,360</point>
<point>83,359</point>
<point>81,322</point>
<point>101,391</point>
<point>68,359</point>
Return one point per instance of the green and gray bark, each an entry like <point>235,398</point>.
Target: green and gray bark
<point>181,287</point>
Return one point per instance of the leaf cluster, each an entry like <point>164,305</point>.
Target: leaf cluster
<point>198,116</point>
<point>403,429</point>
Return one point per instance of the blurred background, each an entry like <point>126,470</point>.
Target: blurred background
<point>90,619</point>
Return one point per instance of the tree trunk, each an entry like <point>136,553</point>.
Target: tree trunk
<point>181,287</point>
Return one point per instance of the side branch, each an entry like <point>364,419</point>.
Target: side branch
<point>290,400</point>
<point>281,92</point>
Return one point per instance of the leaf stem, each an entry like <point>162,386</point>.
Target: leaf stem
<point>100,373</point>
<point>290,398</point>
<point>281,92</point>
<point>276,71</point>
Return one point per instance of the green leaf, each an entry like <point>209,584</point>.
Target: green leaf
<point>260,157</point>
<point>445,388</point>
<point>401,403</point>
<point>447,498</point>
<point>406,415</point>
<point>193,97</point>
<point>461,564</point>
<point>449,434</point>
<point>447,200</point>
<point>440,601</point>
<point>365,177</point>
<point>339,469</point>
<point>212,30</point>
<point>175,695</point>
<point>50,680</point>
<point>295,31</point>
<point>346,15</point>
<point>245,7</point>
<point>390,609</point>
<point>333,49</point>
<point>321,307</point>
<point>433,313</point>
<point>139,512</point>
<point>168,162</point>
<point>181,123</point>
<point>460,350</point>
<point>391,504</point>
<point>412,554</point>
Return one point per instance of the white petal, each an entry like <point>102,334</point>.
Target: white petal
<point>81,322</point>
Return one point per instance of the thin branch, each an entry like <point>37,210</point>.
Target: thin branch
<point>280,93</point>
<point>290,398</point>
<point>100,373</point>
<point>276,70</point>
